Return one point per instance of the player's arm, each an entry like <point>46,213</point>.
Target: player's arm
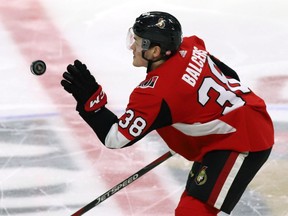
<point>132,126</point>
<point>112,132</point>
<point>142,116</point>
<point>226,70</point>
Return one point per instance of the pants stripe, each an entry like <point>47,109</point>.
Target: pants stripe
<point>226,179</point>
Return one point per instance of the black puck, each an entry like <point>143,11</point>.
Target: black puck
<point>38,67</point>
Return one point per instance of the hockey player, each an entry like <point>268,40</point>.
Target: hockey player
<point>195,102</point>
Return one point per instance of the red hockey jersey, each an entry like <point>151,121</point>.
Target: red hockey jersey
<point>194,107</point>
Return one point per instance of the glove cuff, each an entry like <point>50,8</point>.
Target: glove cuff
<point>96,101</point>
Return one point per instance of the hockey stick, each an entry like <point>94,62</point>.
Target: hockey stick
<point>123,184</point>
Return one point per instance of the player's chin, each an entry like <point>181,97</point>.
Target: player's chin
<point>139,62</point>
<point>136,63</point>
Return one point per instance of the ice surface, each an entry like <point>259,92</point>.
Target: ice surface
<point>52,164</point>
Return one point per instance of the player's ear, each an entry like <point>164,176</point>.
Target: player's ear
<point>156,51</point>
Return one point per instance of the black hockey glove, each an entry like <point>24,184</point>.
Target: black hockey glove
<point>79,82</point>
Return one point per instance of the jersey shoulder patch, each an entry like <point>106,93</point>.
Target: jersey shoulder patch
<point>149,83</point>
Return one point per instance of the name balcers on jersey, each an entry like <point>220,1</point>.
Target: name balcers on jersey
<point>193,105</point>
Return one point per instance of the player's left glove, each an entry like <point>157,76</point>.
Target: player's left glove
<point>79,82</point>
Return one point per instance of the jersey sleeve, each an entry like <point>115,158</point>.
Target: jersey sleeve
<point>144,113</point>
<point>100,121</point>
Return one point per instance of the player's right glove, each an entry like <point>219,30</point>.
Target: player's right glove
<point>79,82</point>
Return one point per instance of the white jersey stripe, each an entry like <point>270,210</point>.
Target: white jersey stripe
<point>114,139</point>
<point>229,180</point>
<point>198,129</point>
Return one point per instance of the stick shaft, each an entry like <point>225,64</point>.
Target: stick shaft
<point>123,184</point>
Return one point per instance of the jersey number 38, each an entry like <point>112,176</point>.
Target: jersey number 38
<point>225,94</point>
<point>136,126</point>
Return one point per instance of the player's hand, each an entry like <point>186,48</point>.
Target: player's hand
<point>79,82</point>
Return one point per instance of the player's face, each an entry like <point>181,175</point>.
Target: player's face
<point>138,60</point>
<point>134,43</point>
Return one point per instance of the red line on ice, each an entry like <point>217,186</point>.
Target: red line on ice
<point>275,94</point>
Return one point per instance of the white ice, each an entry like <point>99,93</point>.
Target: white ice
<point>52,164</point>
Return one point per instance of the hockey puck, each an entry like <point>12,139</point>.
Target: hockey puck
<point>38,67</point>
